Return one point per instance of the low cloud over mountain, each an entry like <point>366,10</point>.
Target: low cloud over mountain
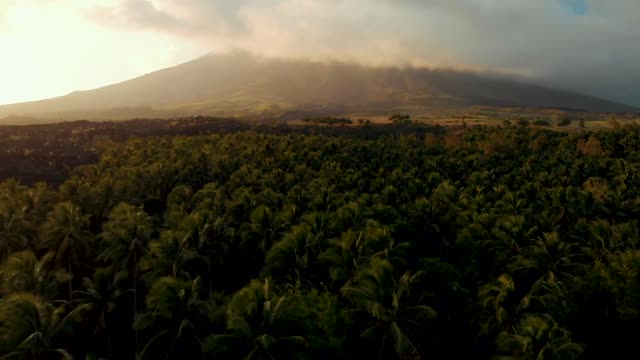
<point>247,86</point>
<point>581,45</point>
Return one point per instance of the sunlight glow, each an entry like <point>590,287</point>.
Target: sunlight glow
<point>50,50</point>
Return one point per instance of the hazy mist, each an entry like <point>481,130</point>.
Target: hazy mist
<point>588,46</point>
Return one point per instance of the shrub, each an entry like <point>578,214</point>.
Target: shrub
<point>539,142</point>
<point>453,140</point>
<point>597,186</point>
<point>433,141</point>
<point>564,122</point>
<point>497,143</point>
<point>400,118</point>
<point>591,147</point>
<point>614,123</point>
<point>541,122</point>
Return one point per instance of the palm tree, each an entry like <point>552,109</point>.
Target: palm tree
<point>101,195</point>
<point>258,322</point>
<point>445,197</point>
<point>511,204</point>
<point>124,241</point>
<point>395,319</point>
<point>538,337</point>
<point>40,201</point>
<point>265,228</point>
<point>100,297</point>
<point>66,236</point>
<point>76,189</point>
<point>14,227</point>
<point>30,329</point>
<point>349,216</point>
<point>508,237</point>
<point>318,223</point>
<point>346,254</point>
<point>205,234</point>
<point>124,238</point>
<point>240,204</point>
<point>178,205</point>
<point>24,272</point>
<point>553,261</point>
<point>290,256</point>
<point>599,238</point>
<point>621,276</point>
<point>500,305</point>
<point>209,198</point>
<point>174,319</point>
<point>170,253</point>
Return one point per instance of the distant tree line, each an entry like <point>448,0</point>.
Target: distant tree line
<point>400,119</point>
<point>329,120</point>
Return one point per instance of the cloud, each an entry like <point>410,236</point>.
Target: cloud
<point>584,45</point>
<point>189,18</point>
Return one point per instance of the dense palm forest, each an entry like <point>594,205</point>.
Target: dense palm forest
<point>512,242</point>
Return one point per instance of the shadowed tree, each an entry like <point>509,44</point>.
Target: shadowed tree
<point>169,254</point>
<point>538,337</point>
<point>124,238</point>
<point>100,297</point>
<point>65,235</point>
<point>501,306</point>
<point>265,228</point>
<point>291,256</point>
<point>553,261</point>
<point>24,272</point>
<point>346,254</point>
<point>507,239</point>
<point>40,200</point>
<point>205,234</point>
<point>395,318</point>
<point>175,319</point>
<point>15,230</point>
<point>30,329</point>
<point>124,242</point>
<point>257,328</point>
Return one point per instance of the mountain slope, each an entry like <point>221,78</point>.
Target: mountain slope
<point>241,85</point>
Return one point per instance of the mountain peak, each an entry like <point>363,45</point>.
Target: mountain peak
<point>243,85</point>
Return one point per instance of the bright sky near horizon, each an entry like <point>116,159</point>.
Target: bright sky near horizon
<point>49,48</point>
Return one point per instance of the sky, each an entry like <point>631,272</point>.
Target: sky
<point>52,47</point>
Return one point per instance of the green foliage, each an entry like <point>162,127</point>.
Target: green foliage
<point>394,319</point>
<point>30,329</point>
<point>175,319</point>
<point>390,242</point>
<point>258,325</point>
